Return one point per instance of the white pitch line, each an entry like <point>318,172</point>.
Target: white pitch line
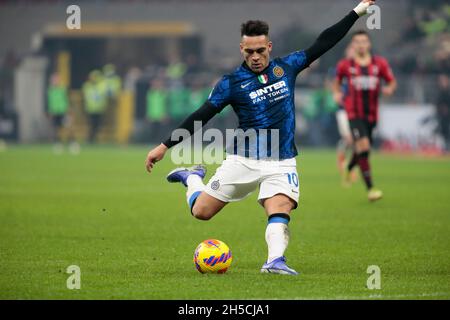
<point>382,296</point>
<point>372,296</point>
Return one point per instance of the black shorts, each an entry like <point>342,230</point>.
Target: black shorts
<point>361,128</point>
<point>58,120</point>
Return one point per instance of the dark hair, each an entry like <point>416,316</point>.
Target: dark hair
<point>253,28</point>
<point>359,33</point>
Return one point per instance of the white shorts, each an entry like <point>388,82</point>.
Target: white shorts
<point>238,177</point>
<point>343,124</point>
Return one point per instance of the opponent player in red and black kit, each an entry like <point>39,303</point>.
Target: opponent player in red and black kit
<point>364,74</point>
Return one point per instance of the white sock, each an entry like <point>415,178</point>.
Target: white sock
<point>277,238</point>
<point>195,184</point>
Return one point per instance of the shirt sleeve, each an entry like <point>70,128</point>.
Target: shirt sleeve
<point>205,113</point>
<point>297,60</point>
<point>330,36</point>
<point>386,71</point>
<point>220,96</point>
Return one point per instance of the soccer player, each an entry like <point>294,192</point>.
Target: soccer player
<point>364,74</point>
<point>261,92</point>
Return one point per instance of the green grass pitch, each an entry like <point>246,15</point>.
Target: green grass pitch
<point>133,236</point>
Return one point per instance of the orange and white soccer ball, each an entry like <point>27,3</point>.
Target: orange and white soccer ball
<point>212,256</point>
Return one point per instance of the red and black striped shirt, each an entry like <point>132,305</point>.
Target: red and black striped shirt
<point>364,84</point>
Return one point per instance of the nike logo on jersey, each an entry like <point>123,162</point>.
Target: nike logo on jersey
<point>243,86</point>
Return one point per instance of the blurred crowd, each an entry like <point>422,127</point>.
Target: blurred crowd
<point>167,93</point>
<point>425,39</point>
<point>163,96</point>
<point>100,94</point>
<point>422,54</point>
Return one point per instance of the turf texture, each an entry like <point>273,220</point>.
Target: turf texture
<point>133,237</point>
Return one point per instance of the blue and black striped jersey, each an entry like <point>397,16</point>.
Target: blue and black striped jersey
<point>263,101</point>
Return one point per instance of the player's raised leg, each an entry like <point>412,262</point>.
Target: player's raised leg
<point>206,206</point>
<point>278,209</point>
<point>202,205</point>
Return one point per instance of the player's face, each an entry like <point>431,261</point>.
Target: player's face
<point>350,51</point>
<point>361,44</point>
<point>256,52</point>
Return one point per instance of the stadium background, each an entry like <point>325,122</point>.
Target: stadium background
<point>130,232</point>
<point>187,45</point>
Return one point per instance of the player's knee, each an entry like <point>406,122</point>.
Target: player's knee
<point>202,215</point>
<point>279,203</point>
<point>202,212</point>
<point>286,207</point>
<point>363,146</point>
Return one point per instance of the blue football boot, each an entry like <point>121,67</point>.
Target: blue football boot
<point>278,266</point>
<point>181,174</point>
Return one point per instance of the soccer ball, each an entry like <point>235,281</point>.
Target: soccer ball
<point>212,256</point>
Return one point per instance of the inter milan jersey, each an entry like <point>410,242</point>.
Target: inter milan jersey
<point>263,102</point>
<point>364,84</point>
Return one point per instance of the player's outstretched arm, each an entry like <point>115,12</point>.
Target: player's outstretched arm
<point>203,114</point>
<point>328,38</point>
<point>337,91</point>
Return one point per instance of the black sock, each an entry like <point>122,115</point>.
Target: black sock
<point>364,165</point>
<point>353,162</point>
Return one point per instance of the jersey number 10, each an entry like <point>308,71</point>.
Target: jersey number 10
<point>293,178</point>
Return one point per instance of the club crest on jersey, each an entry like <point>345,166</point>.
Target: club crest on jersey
<point>278,71</point>
<point>263,78</point>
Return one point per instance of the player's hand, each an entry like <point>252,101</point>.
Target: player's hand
<point>338,97</point>
<point>387,91</point>
<point>361,8</point>
<point>154,156</point>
